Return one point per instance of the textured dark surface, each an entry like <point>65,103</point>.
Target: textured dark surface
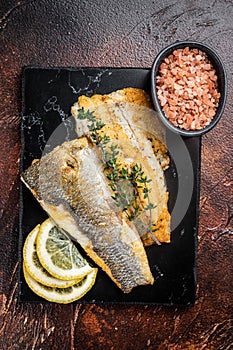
<point>69,33</point>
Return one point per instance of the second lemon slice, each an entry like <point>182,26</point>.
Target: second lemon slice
<point>58,255</point>
<point>61,295</point>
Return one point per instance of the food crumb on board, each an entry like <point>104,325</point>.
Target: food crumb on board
<point>187,89</point>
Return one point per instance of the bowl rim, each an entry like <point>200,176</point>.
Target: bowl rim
<point>215,60</point>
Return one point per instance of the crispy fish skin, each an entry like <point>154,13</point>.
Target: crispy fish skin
<point>130,121</point>
<point>69,184</point>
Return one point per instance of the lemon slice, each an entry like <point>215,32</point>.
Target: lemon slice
<point>58,255</point>
<point>61,295</point>
<point>34,267</point>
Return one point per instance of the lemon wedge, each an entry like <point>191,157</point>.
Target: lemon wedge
<point>61,295</point>
<point>58,255</point>
<point>34,267</point>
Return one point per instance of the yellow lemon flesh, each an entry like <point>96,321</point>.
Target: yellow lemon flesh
<point>58,255</point>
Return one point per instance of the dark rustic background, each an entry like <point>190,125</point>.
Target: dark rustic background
<point>130,34</point>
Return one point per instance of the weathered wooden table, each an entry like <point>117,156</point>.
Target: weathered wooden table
<point>116,34</point>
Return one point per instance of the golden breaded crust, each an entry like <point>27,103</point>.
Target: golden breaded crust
<point>128,95</point>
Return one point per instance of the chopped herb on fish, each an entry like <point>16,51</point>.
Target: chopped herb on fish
<point>124,183</point>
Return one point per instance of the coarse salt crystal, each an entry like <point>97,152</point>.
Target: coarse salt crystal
<point>188,82</point>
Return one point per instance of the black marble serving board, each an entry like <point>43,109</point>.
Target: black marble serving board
<point>47,95</point>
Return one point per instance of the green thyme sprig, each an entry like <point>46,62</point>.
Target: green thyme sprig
<point>124,183</point>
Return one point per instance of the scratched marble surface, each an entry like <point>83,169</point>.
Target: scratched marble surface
<point>122,34</point>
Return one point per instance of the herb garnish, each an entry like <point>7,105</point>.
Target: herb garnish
<point>125,183</point>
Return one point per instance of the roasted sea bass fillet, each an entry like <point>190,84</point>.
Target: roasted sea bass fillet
<point>70,185</point>
<point>131,123</point>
